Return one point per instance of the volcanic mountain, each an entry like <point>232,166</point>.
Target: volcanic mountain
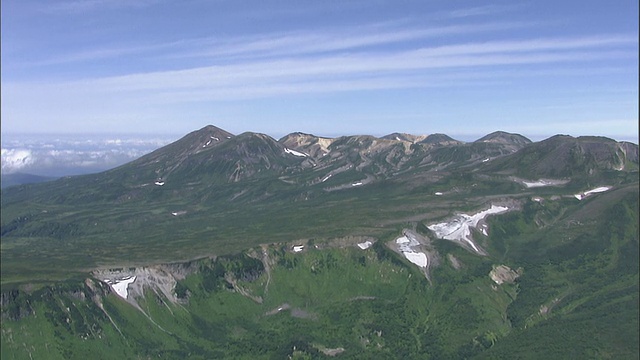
<point>404,246</point>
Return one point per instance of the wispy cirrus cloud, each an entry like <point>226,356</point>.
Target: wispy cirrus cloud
<point>286,53</point>
<point>482,10</point>
<point>295,43</point>
<point>304,43</point>
<point>375,64</point>
<point>82,6</point>
<point>102,53</point>
<point>361,70</point>
<point>392,55</point>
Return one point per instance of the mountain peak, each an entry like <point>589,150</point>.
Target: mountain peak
<point>503,137</point>
<point>200,140</point>
<point>310,144</point>
<point>404,137</point>
<point>190,144</point>
<point>440,139</point>
<point>212,131</point>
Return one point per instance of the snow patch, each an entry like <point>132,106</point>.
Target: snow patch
<point>159,183</point>
<point>438,193</point>
<point>209,142</point>
<point>294,153</point>
<point>459,228</point>
<point>121,286</point>
<point>365,245</point>
<point>357,183</point>
<point>405,245</point>
<point>326,177</point>
<point>483,230</point>
<point>542,182</point>
<point>592,191</point>
<point>535,184</point>
<point>417,258</point>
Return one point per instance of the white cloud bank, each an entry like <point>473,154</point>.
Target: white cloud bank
<point>15,159</point>
<point>71,156</point>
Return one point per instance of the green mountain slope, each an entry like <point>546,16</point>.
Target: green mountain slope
<point>563,156</point>
<point>578,295</point>
<point>308,247</point>
<point>334,297</point>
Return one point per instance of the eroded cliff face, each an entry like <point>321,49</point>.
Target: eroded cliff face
<point>135,284</point>
<point>130,283</point>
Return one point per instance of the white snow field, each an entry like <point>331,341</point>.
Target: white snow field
<point>592,191</point>
<point>294,153</point>
<point>365,245</point>
<point>542,182</point>
<point>121,286</point>
<point>405,244</point>
<point>459,228</point>
<point>535,184</point>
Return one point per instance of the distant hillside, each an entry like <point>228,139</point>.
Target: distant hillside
<point>21,178</point>
<point>564,156</point>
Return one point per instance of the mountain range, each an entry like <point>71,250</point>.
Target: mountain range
<point>401,246</point>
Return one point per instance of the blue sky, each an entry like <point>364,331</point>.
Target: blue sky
<point>465,68</point>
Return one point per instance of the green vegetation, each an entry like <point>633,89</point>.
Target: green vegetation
<point>365,303</point>
<point>226,219</point>
<point>356,300</point>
